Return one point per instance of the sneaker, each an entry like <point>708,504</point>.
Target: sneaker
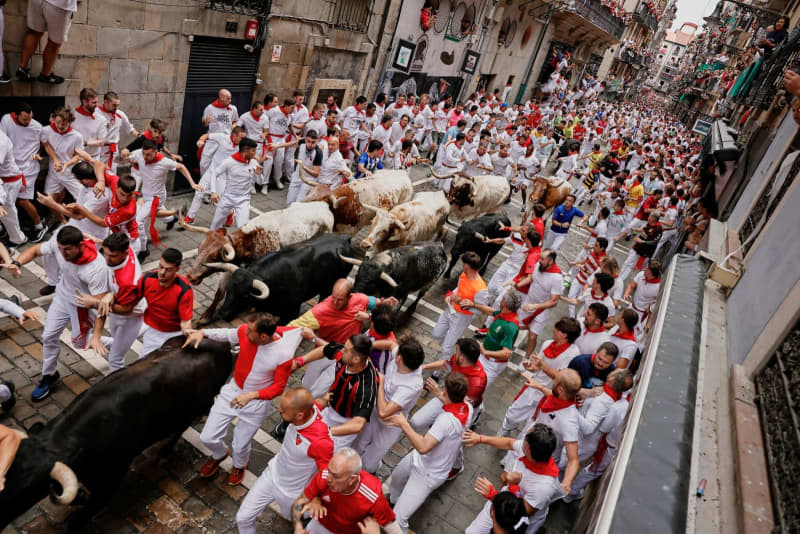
<point>211,467</point>
<point>14,299</point>
<point>480,332</point>
<point>265,190</point>
<point>567,284</point>
<point>229,220</point>
<point>279,431</point>
<point>277,185</point>
<point>142,255</point>
<point>47,290</point>
<point>253,190</point>
<point>188,220</point>
<point>573,497</point>
<point>40,233</point>
<point>5,78</point>
<point>206,199</point>
<point>237,476</point>
<point>171,223</point>
<point>42,390</point>
<point>455,472</point>
<point>7,405</point>
<point>17,245</point>
<point>24,75</point>
<point>51,78</point>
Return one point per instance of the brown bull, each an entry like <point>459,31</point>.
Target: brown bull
<point>550,192</point>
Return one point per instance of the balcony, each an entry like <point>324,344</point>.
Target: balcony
<point>596,14</point>
<point>644,15</point>
<point>251,8</point>
<point>631,58</point>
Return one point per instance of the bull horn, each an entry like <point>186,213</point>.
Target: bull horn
<point>303,175</point>
<point>388,279</point>
<point>351,261</point>
<point>437,175</point>
<point>376,209</point>
<point>231,268</point>
<point>69,483</point>
<point>193,228</point>
<point>228,252</point>
<point>262,288</point>
<point>334,201</point>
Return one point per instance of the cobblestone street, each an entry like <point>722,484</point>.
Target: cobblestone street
<point>169,496</point>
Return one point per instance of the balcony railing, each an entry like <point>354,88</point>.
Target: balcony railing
<point>251,8</point>
<point>647,18</point>
<point>631,58</point>
<point>769,80</point>
<point>351,15</point>
<point>599,15</point>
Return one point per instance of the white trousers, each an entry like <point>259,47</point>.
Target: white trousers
<point>492,368</point>
<point>497,283</point>
<point>263,493</point>
<point>152,339</point>
<point>319,377</point>
<point>143,217</point>
<point>482,524</point>
<point>375,441</point>
<point>124,331</point>
<point>57,319</point>
<point>57,182</point>
<point>520,410</point>
<point>315,528</point>
<point>197,199</point>
<point>332,419</point>
<point>277,164</point>
<point>574,290</point>
<point>409,489</point>
<point>240,206</point>
<point>450,326</point>
<point>250,416</point>
<point>266,168</point>
<point>628,265</point>
<point>11,219</point>
<point>591,472</point>
<point>553,240</point>
<point>297,190</point>
<point>288,160</point>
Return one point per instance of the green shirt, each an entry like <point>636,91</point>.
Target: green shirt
<point>502,334</point>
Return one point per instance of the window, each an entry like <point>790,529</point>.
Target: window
<point>353,15</point>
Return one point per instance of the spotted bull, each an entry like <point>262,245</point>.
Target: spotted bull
<point>474,196</point>
<point>92,443</point>
<point>386,189</point>
<point>420,219</point>
<point>266,233</point>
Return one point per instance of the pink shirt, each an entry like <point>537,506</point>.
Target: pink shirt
<point>455,117</point>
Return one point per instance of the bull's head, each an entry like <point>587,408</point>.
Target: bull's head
<point>386,226</point>
<point>242,289</point>
<point>538,190</point>
<point>35,471</point>
<point>369,278</point>
<point>462,190</point>
<point>216,245</point>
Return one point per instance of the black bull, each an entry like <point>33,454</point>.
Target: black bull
<point>466,239</point>
<point>292,275</point>
<point>100,433</point>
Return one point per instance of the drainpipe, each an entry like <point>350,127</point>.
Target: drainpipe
<point>539,41</point>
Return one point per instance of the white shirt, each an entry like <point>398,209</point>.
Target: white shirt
<point>154,175</point>
<point>543,286</point>
<point>565,425</point>
<point>539,491</point>
<point>398,133</point>
<point>440,120</point>
<point>612,425</point>
<point>254,127</point>
<point>352,118</point>
<point>318,125</point>
<point>530,165</point>
<point>588,298</point>
<point>438,461</point>
<point>474,160</point>
<point>382,135</point>
<point>500,164</point>
<point>397,112</point>
<point>64,146</point>
<point>8,165</point>
<point>300,116</point>
<point>98,206</point>
<point>592,415</point>
<point>330,171</point>
<point>26,141</point>
<point>115,124</point>
<point>627,347</point>
<point>589,342</point>
<point>217,149</point>
<point>68,5</point>
<point>559,362</point>
<point>452,156</point>
<point>645,293</point>
<point>279,123</point>
<point>224,118</point>
<point>237,177</point>
<point>89,278</point>
<point>402,389</point>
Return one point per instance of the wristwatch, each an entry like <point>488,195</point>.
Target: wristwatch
<point>15,262</point>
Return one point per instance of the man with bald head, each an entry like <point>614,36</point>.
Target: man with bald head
<point>340,497</point>
<point>307,450</point>
<point>221,116</point>
<point>558,409</point>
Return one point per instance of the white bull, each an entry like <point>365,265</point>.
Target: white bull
<point>385,189</point>
<point>421,219</point>
<point>471,197</point>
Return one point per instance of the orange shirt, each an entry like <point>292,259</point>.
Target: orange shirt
<point>467,289</point>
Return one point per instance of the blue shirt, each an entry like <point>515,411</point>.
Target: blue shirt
<point>452,132</point>
<point>369,163</point>
<point>590,377</point>
<point>562,215</point>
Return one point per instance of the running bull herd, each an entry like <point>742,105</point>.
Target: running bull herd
<point>275,263</point>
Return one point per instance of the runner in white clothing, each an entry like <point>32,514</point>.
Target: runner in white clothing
<point>12,180</point>
<point>644,288</point>
<point>231,184</point>
<point>307,448</point>
<point>220,115</point>
<point>117,123</point>
<point>546,283</point>
<point>64,146</point>
<point>90,123</point>
<point>256,128</point>
<point>217,148</point>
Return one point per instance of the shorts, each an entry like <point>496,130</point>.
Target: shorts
<point>45,17</point>
<point>30,189</point>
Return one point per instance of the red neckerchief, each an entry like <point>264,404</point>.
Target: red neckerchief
<point>550,403</point>
<point>548,468</point>
<point>627,335</point>
<point>375,335</point>
<point>89,253</point>
<point>254,116</point>
<point>511,317</point>
<point>284,111</point>
<point>234,143</point>
<point>83,111</point>
<point>459,409</point>
<point>616,395</point>
<point>553,269</point>
<point>238,157</point>
<point>218,104</point>
<point>53,126</point>
<point>14,118</point>
<point>652,280</point>
<point>602,295</point>
<point>596,330</point>
<point>159,157</point>
<point>620,212</point>
<point>113,114</point>
<point>554,350</point>
<point>148,135</point>
<point>525,143</point>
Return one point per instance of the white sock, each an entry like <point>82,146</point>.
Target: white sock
<point>5,393</point>
<point>38,226</point>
